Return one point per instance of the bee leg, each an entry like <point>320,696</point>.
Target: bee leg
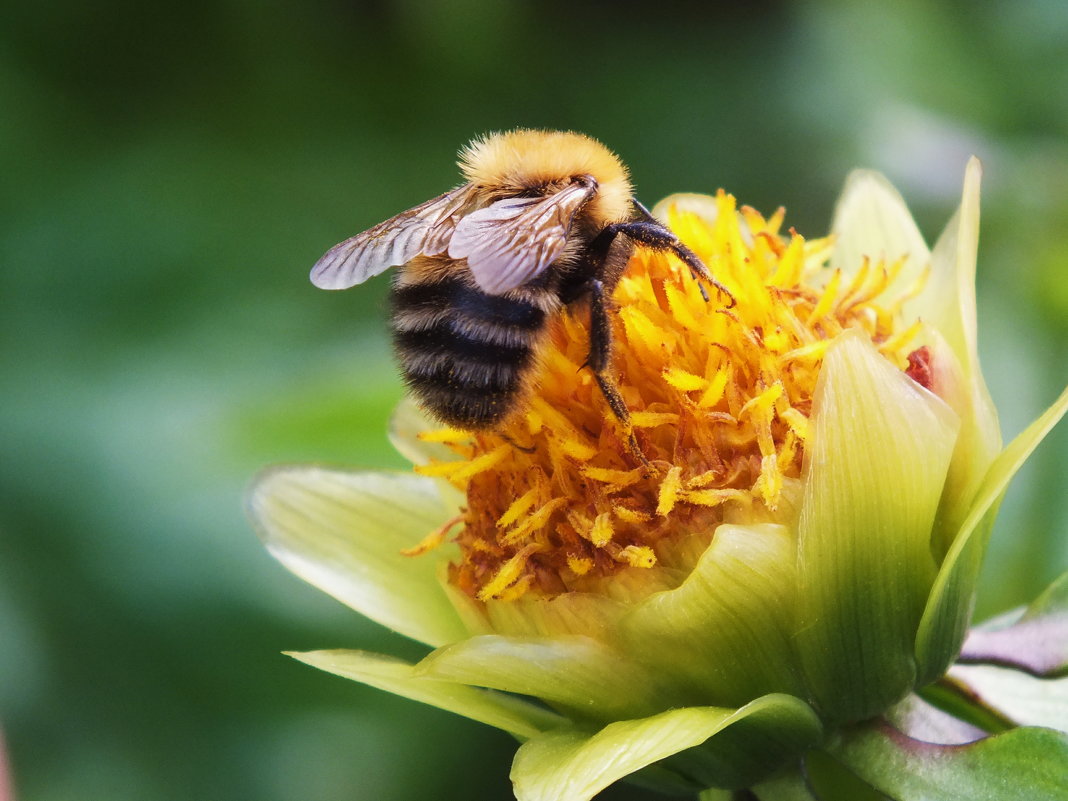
<point>598,361</point>
<point>653,234</point>
<point>516,445</point>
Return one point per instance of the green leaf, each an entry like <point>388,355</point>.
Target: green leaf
<point>344,532</point>
<point>787,786</point>
<point>876,461</point>
<point>513,715</point>
<point>831,781</point>
<point>1036,641</point>
<point>1016,696</point>
<point>958,701</point>
<point>945,619</point>
<point>572,765</point>
<point>1019,765</point>
<point>723,629</point>
<point>576,674</point>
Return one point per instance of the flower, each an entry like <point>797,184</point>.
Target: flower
<point>801,556</point>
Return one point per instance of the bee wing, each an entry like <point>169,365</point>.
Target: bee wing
<point>509,242</point>
<point>425,229</point>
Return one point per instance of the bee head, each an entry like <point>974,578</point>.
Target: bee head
<point>530,161</point>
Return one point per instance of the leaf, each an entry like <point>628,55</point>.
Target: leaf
<point>1036,642</point>
<point>344,532</point>
<point>1020,765</point>
<point>1018,697</point>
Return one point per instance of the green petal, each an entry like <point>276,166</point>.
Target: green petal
<point>344,531</point>
<point>405,426</point>
<point>1035,641</point>
<point>879,451</point>
<point>723,630</point>
<point>513,715</point>
<point>872,220</point>
<point>948,301</point>
<point>586,613</point>
<point>572,765</point>
<point>877,458</point>
<point>978,442</point>
<point>1019,765</point>
<point>577,675</point>
<point>1022,699</point>
<point>949,608</point>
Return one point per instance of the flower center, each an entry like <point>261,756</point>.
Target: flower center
<point>719,398</point>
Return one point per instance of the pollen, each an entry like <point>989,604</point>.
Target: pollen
<point>719,397</point>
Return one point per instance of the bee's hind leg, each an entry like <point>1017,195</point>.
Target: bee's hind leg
<point>599,360</point>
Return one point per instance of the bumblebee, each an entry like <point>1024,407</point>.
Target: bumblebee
<point>543,221</point>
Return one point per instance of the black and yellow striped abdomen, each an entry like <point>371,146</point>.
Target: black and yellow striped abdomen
<point>465,354</point>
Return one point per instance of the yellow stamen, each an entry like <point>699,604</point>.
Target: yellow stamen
<point>434,538</point>
<point>508,574</point>
<point>669,491</point>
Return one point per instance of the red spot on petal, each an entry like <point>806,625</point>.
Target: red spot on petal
<point>919,369</point>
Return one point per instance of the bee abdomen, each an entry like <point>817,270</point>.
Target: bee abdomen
<point>463,353</point>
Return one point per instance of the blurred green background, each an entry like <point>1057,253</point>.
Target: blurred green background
<point>170,172</point>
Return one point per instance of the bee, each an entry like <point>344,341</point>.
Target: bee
<point>543,221</point>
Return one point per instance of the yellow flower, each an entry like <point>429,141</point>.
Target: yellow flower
<point>826,466</point>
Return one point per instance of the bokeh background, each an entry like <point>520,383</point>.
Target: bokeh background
<point>170,172</point>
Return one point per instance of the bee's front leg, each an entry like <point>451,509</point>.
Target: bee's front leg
<point>653,234</point>
<point>599,362</point>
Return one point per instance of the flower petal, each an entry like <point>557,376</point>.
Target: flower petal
<point>579,675</point>
<point>1019,765</point>
<point>1036,641</point>
<point>513,715</point>
<point>344,531</point>
<point>948,304</point>
<point>723,630</point>
<point>948,301</point>
<point>978,442</point>
<point>571,765</point>
<point>872,221</point>
<point>879,451</point>
<point>945,619</point>
<point>405,426</point>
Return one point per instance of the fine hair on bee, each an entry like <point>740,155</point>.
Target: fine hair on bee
<point>543,221</point>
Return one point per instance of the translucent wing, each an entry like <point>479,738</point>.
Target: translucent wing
<point>511,241</point>
<point>425,229</point>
